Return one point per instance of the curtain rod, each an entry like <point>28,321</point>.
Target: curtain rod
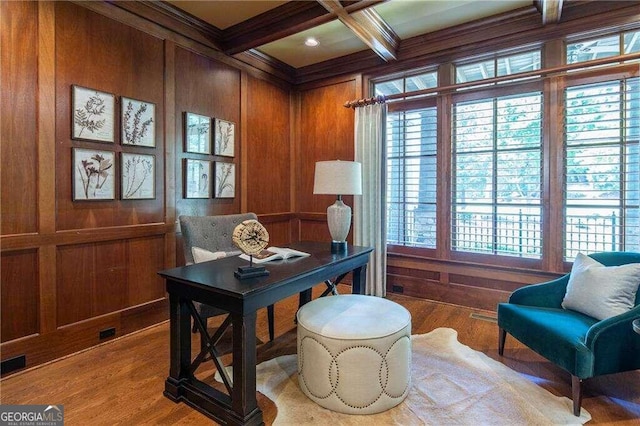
<point>544,72</point>
<point>380,99</point>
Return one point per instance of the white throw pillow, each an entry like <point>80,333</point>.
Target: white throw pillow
<point>601,291</point>
<point>202,255</point>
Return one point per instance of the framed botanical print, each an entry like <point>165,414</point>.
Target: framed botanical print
<point>93,174</point>
<point>137,176</point>
<point>225,180</point>
<point>92,115</point>
<point>197,178</point>
<point>224,138</point>
<point>197,133</point>
<point>138,122</point>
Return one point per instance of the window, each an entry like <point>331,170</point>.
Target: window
<point>496,193</point>
<point>602,123</point>
<point>407,84</point>
<point>603,47</point>
<point>412,178</point>
<point>411,166</point>
<point>524,174</point>
<point>499,66</point>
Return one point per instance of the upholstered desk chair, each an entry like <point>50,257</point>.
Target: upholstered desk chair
<point>580,344</point>
<point>209,237</point>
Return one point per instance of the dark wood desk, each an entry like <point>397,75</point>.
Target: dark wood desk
<point>213,283</point>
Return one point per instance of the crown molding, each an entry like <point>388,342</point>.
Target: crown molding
<point>268,64</point>
<point>174,19</point>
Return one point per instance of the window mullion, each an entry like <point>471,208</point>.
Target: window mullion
<point>403,178</point>
<point>494,180</point>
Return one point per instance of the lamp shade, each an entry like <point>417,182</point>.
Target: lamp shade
<point>338,178</point>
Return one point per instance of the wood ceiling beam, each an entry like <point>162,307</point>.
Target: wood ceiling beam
<point>283,21</point>
<point>551,11</point>
<point>369,27</point>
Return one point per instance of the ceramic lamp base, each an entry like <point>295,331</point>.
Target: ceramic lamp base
<point>339,219</point>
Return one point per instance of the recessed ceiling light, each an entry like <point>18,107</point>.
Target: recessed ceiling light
<point>311,42</point>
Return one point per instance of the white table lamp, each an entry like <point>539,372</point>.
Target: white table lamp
<point>338,178</point>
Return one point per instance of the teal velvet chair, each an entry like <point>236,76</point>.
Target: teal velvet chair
<point>583,346</point>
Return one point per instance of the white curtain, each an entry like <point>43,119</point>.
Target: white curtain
<point>369,223</point>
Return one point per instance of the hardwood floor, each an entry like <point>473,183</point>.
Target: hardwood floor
<point>121,382</point>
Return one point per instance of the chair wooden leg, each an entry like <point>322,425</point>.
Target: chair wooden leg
<point>271,322</point>
<point>502,335</point>
<point>576,394</point>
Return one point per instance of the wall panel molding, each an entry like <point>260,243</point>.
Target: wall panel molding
<point>46,164</point>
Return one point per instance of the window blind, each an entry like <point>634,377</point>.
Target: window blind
<point>497,176</point>
<point>411,177</point>
<point>601,211</point>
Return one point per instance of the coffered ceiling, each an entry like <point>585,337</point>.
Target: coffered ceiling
<point>279,29</point>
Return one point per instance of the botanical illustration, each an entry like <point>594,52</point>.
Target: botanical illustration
<point>197,133</point>
<point>197,179</point>
<point>225,134</point>
<point>138,123</point>
<point>138,176</point>
<point>93,115</point>
<point>93,174</point>
<point>225,186</point>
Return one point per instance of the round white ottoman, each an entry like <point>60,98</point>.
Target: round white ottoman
<point>354,353</point>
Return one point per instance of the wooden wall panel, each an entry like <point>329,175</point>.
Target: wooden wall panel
<point>210,88</point>
<point>99,53</point>
<point>268,148</point>
<point>456,294</point>
<point>145,257</point>
<point>326,133</point>
<point>96,279</point>
<point>459,283</point>
<point>18,91</point>
<point>75,337</point>
<point>314,231</point>
<point>93,265</point>
<point>109,277</point>
<point>95,286</point>
<point>20,294</point>
<point>74,283</point>
<point>279,231</point>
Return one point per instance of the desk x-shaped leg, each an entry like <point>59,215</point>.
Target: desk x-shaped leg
<point>305,296</point>
<point>208,346</point>
<point>332,286</point>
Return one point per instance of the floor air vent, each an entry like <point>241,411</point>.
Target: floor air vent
<point>12,364</point>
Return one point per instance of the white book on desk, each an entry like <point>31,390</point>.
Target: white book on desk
<point>275,253</point>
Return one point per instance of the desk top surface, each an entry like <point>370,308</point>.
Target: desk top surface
<point>218,274</point>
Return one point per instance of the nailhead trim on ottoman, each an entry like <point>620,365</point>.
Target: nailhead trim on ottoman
<point>354,353</point>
